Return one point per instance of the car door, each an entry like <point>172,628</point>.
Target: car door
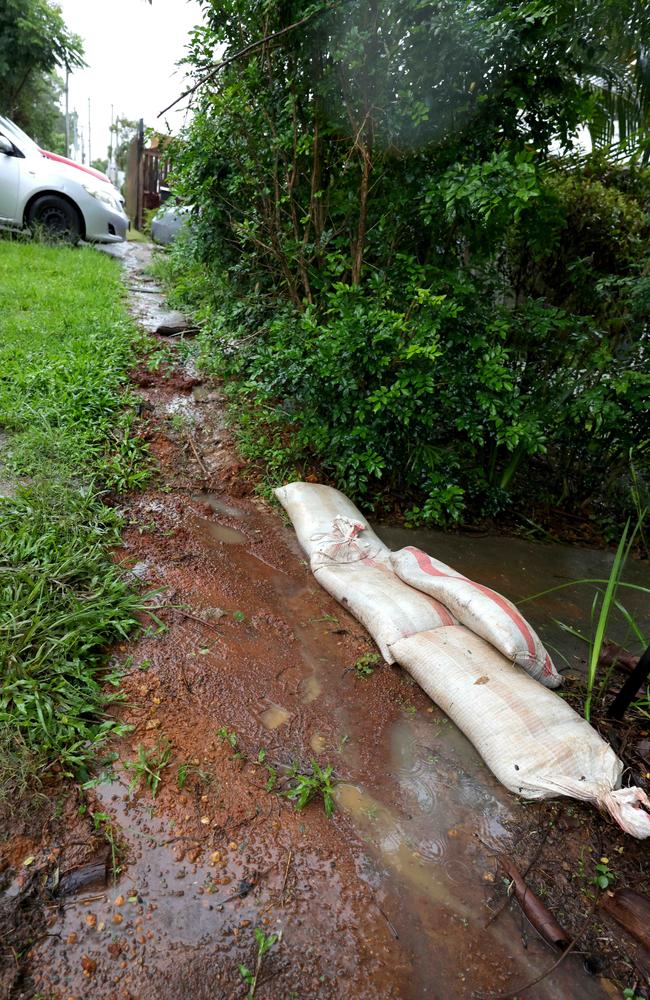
<point>10,166</point>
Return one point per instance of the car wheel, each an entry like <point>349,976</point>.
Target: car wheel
<point>56,217</point>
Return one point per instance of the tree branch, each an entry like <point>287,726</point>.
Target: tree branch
<point>250,48</point>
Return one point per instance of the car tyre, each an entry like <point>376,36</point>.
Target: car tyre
<point>56,217</point>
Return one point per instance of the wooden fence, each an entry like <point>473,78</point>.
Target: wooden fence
<point>146,172</point>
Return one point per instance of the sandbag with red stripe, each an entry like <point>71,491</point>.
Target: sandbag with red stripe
<point>482,610</point>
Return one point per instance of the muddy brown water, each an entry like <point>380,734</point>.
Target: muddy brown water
<point>389,899</point>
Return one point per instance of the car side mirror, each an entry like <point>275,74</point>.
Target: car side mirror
<point>6,146</point>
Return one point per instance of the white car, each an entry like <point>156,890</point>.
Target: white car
<point>44,189</point>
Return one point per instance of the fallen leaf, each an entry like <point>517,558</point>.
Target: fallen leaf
<point>89,965</point>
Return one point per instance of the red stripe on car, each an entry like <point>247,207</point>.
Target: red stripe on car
<point>79,166</point>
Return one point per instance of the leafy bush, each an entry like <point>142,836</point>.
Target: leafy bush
<point>406,289</point>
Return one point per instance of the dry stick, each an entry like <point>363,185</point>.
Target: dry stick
<point>391,925</point>
<point>173,840</point>
<point>243,52</point>
<point>521,989</point>
<point>187,614</point>
<point>638,676</point>
<point>198,458</point>
<point>534,860</point>
<point>286,875</point>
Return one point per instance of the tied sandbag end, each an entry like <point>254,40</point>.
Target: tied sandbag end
<point>630,808</point>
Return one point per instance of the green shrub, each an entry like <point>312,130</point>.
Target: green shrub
<point>407,292</point>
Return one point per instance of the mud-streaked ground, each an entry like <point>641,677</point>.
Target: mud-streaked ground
<point>391,897</point>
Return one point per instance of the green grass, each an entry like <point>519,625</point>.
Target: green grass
<point>607,605</point>
<point>307,786</point>
<point>149,765</point>
<point>66,345</point>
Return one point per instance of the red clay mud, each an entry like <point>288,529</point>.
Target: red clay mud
<point>390,898</point>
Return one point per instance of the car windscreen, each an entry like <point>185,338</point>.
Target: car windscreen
<point>18,137</point>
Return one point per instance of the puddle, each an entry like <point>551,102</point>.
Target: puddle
<point>181,406</point>
<point>218,505</point>
<point>387,835</point>
<point>438,769</point>
<point>274,717</point>
<point>140,570</point>
<point>175,921</point>
<point>311,689</point>
<point>430,830</point>
<point>446,796</point>
<point>221,533</point>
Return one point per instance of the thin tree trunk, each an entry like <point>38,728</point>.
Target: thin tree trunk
<point>360,241</point>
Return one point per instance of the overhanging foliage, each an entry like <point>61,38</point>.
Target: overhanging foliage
<point>394,262</point>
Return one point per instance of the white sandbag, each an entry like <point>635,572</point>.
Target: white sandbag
<point>353,565</point>
<point>326,522</point>
<point>384,604</point>
<point>534,743</point>
<point>485,612</point>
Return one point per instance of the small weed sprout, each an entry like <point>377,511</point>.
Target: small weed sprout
<point>187,770</point>
<point>604,875</point>
<point>181,776</point>
<point>158,358</point>
<point>149,766</point>
<point>228,737</point>
<point>365,665</point>
<point>179,422</point>
<point>102,822</point>
<point>264,944</point>
<point>127,465</point>
<point>272,779</point>
<point>305,787</point>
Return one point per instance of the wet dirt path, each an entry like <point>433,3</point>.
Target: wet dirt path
<point>390,898</point>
